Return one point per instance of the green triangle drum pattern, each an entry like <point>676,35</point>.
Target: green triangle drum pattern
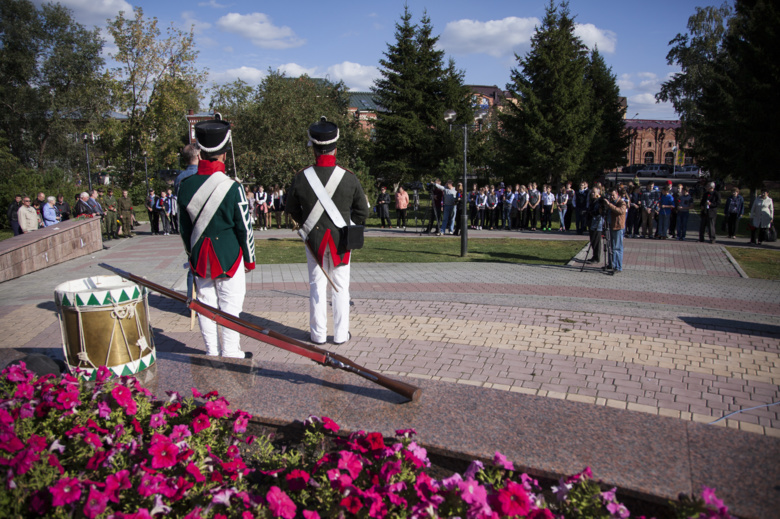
<point>123,297</point>
<point>136,293</point>
<point>108,300</point>
<point>92,301</point>
<point>79,302</point>
<point>66,301</point>
<point>122,370</point>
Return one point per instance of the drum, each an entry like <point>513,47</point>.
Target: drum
<point>104,321</point>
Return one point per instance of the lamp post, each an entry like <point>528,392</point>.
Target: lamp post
<point>449,117</point>
<point>146,171</point>
<point>85,137</point>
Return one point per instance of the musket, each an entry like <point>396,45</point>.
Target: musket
<point>273,338</point>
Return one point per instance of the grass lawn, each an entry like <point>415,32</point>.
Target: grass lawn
<point>435,250</point>
<point>756,262</point>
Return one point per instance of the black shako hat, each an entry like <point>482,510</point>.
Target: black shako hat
<point>213,136</point>
<point>323,135</point>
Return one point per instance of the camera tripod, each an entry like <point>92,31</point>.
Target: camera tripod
<point>606,252</point>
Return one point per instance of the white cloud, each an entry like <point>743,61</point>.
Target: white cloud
<point>625,83</point>
<point>495,37</point>
<point>91,12</point>
<point>592,36</point>
<point>354,75</point>
<point>251,75</point>
<point>257,27</point>
<point>295,70</point>
<point>190,21</point>
<point>211,3</point>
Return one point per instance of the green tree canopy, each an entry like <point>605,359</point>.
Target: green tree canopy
<point>416,88</point>
<point>547,134</point>
<point>51,83</point>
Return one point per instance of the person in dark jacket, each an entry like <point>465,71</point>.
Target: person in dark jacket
<point>735,208</point>
<point>13,214</point>
<point>710,202</point>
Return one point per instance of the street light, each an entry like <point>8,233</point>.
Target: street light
<point>86,138</point>
<point>449,117</point>
<point>146,170</point>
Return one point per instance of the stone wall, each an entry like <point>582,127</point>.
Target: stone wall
<point>39,249</point>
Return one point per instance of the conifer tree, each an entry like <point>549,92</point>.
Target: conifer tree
<point>610,140</point>
<point>546,135</point>
<point>411,137</point>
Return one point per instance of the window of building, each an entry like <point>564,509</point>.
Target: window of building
<point>669,158</point>
<point>649,144</point>
<point>649,157</point>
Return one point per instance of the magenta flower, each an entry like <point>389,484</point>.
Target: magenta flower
<point>406,433</point>
<point>473,493</point>
<point>124,398</point>
<point>175,396</point>
<point>157,420</point>
<point>68,399</point>
<point>5,417</point>
<point>352,504</point>
<point>512,500</point>
<point>618,510</point>
<point>24,390</point>
<point>195,472</point>
<point>609,495</point>
<point>18,373</point>
<point>390,469</point>
<point>709,497</point>
<point>200,422</point>
<point>96,503</point>
<point>195,393</point>
<point>541,513</point>
<point>9,442</point>
<point>452,482</point>
<point>164,454</point>
<point>297,479</point>
<point>64,491</point>
<point>310,514</point>
<point>350,462</point>
<point>116,483</point>
<point>180,432</point>
<point>37,443</point>
<point>23,461</point>
<point>239,426</point>
<point>195,514</point>
<point>103,374</point>
<point>93,439</point>
<point>55,462</point>
<point>375,441</point>
<point>474,467</point>
<point>562,490</point>
<point>499,460</point>
<point>104,410</point>
<point>280,504</point>
<point>329,424</point>
<point>150,484</point>
<point>217,408</point>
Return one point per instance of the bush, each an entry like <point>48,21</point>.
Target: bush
<point>107,450</point>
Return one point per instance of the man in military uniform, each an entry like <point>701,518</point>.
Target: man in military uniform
<point>217,233</point>
<point>125,207</point>
<point>326,250</point>
<point>109,204</point>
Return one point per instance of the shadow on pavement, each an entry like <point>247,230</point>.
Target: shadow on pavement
<point>732,326</point>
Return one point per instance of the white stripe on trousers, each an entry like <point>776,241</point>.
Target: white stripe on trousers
<point>227,294</point>
<point>318,301</point>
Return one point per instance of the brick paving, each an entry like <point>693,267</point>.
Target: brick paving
<point>680,333</point>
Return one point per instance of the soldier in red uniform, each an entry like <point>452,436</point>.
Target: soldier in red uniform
<point>217,232</point>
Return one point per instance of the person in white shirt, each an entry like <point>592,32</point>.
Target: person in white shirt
<point>548,204</point>
<point>261,207</point>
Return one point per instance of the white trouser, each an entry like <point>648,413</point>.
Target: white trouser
<point>318,301</point>
<point>227,294</point>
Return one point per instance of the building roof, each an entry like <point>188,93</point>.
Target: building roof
<point>491,91</point>
<point>651,124</point>
<point>363,101</point>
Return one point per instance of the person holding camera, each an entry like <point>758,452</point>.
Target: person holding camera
<point>595,223</point>
<point>616,205</point>
<point>324,200</point>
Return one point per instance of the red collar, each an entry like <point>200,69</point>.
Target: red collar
<point>326,161</point>
<point>207,167</point>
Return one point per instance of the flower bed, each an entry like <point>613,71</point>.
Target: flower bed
<point>74,449</point>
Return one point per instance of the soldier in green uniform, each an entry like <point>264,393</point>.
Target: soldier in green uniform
<point>323,230</point>
<point>125,207</point>
<point>109,204</point>
<point>217,233</point>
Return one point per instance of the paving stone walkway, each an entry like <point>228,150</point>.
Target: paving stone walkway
<point>679,333</point>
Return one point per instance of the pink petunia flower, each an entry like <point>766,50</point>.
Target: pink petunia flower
<point>618,510</point>
<point>18,373</point>
<point>103,374</point>
<point>452,482</point>
<point>68,399</point>
<point>96,503</point>
<point>23,462</point>
<point>352,504</point>
<point>609,495</point>
<point>473,493</point>
<point>157,420</point>
<point>217,408</point>
<point>116,483</point>
<point>9,441</point>
<point>406,433</point>
<point>310,514</point>
<point>104,410</point>
<point>709,497</point>
<point>239,426</point>
<point>37,443</point>
<point>350,462</point>
<point>541,513</point>
<point>513,500</point>
<point>474,467</point>
<point>124,397</point>
<point>194,514</point>
<point>195,393</point>
<point>330,425</point>
<point>297,479</point>
<point>375,441</point>
<point>195,472</point>
<point>180,432</point>
<point>164,454</point>
<point>65,491</point>
<point>499,460</point>
<point>280,504</point>
<point>55,462</point>
<point>24,390</point>
<point>200,422</point>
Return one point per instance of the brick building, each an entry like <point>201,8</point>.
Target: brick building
<point>653,142</point>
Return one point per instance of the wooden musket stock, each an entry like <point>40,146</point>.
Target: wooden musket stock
<point>273,338</point>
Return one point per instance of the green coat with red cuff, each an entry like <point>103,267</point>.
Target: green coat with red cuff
<point>349,199</point>
<point>227,238</point>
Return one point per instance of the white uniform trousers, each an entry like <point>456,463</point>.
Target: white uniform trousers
<point>318,301</point>
<point>227,294</point>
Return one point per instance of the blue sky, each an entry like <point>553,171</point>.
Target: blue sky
<point>345,40</point>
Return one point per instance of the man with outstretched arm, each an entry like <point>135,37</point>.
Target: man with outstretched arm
<point>325,200</point>
<point>217,233</point>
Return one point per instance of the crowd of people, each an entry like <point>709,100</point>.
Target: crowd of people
<point>657,212</point>
<point>266,206</point>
